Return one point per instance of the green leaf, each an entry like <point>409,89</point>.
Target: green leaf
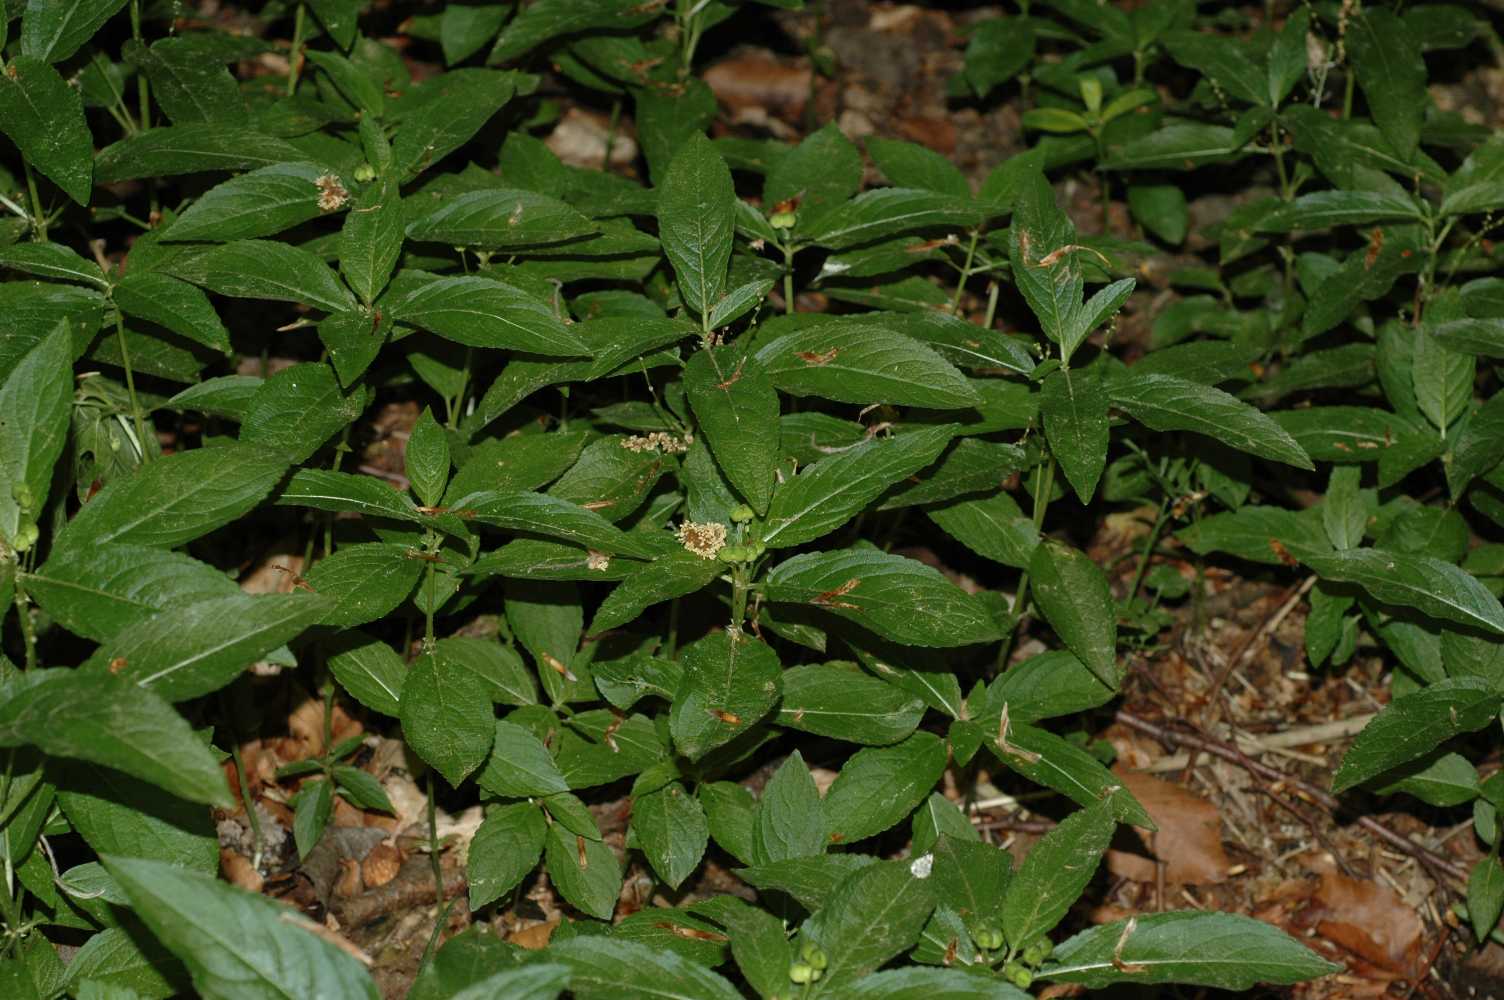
<point>899,599</point>
<point>828,493</point>
<point>427,459</point>
<point>1178,145</point>
<point>192,148</point>
<point>188,87</point>
<point>520,766</point>
<point>1442,780</point>
<point>237,945</point>
<point>1224,60</point>
<point>1220,950</point>
<point>873,916</point>
<point>464,31</point>
<point>910,165</point>
<point>1074,407</point>
<point>369,671</point>
<point>729,684</point>
<point>1429,585</point>
<point>1044,258</point>
<point>108,720</point>
<point>447,717</point>
<point>260,203</point>
<point>845,704</point>
<point>44,117</point>
<point>1485,895</point>
<point>759,942</point>
<point>972,877</point>
<point>1344,513</point>
<point>191,650</point>
<point>999,48</point>
<point>1262,534</point>
<point>864,364</point>
<point>1168,403</point>
<point>118,814</point>
<point>604,968</point>
<point>993,527</point>
<point>789,821</point>
<point>1386,57</point>
<point>483,312</point>
<point>52,260</point>
<point>315,804</point>
<point>264,269</point>
<point>1162,209</point>
<point>885,212</point>
<point>177,498</point>
<point>917,982</point>
<point>1073,594</point>
<point>555,517</point>
<point>671,829</point>
<point>296,410</point>
<point>1478,185</point>
<point>371,239</point>
<point>177,305</point>
<point>1068,768</point>
<point>539,981</point>
<point>99,591</point>
<point>506,847</point>
<point>345,493</point>
<point>507,678</point>
<point>356,84</point>
<point>696,218</point>
<point>501,219</point>
<point>667,577</point>
<point>736,408</point>
<point>126,959</point>
<point>1323,209</point>
<point>584,870</point>
<point>35,401</point>
<point>442,114</point>
<point>52,32</point>
<point>1414,724</point>
<point>364,582</point>
<point>1055,873</point>
<point>1480,446</point>
<point>880,786</point>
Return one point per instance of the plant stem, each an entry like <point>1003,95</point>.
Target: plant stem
<point>611,135</point>
<point>1143,563</point>
<point>738,596</point>
<point>971,252</point>
<point>130,388</point>
<point>992,290</point>
<point>38,217</point>
<point>295,58</point>
<point>788,279</point>
<point>1045,488</point>
<point>143,88</point>
<point>428,640</point>
<point>671,642</point>
<point>246,804</point>
<point>28,631</point>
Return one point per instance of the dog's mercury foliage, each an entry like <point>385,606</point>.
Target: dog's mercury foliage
<point>676,494</point>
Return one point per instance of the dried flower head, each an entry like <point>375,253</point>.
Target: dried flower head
<point>596,561</point>
<point>332,193</point>
<point>662,441</point>
<point>703,539</point>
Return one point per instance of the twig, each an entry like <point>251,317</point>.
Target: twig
<point>1275,742</point>
<point>1425,970</point>
<point>1316,795</point>
<point>1254,643</point>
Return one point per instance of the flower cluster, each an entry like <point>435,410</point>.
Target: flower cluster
<point>703,539</point>
<point>669,444</point>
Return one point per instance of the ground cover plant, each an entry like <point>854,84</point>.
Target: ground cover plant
<point>449,551</point>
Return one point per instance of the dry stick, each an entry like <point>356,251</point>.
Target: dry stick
<point>1441,939</point>
<point>1254,643</point>
<point>1322,798</point>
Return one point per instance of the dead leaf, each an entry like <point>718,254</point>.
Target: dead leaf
<point>759,80</point>
<point>1189,841</point>
<point>1368,919</point>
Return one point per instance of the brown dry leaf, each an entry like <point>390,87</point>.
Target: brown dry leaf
<point>759,80</point>
<point>239,871</point>
<point>1369,919</point>
<point>381,865</point>
<point>1189,841</point>
<point>580,141</point>
<point>534,938</point>
<point>276,574</point>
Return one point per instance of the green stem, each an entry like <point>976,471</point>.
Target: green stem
<point>1277,148</point>
<point>611,134</point>
<point>1041,504</point>
<point>738,596</point>
<point>28,630</point>
<point>247,804</point>
<point>992,290</point>
<point>671,642</point>
<point>788,279</point>
<point>130,388</point>
<point>971,253</point>
<point>143,88</point>
<point>459,399</point>
<point>428,639</point>
<point>295,58</point>
<point>1143,563</point>
<point>38,216</point>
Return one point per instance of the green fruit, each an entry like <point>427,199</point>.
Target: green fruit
<point>742,514</point>
<point>1018,975</point>
<point>1038,952</point>
<point>814,955</point>
<point>803,972</point>
<point>783,220</point>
